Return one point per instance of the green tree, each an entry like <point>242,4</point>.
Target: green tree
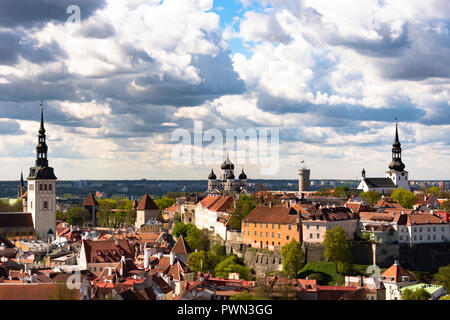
<point>372,197</point>
<point>433,190</point>
<point>405,198</point>
<point>341,192</point>
<point>164,202</point>
<point>232,264</point>
<point>445,205</point>
<point>77,215</point>
<point>443,277</point>
<point>198,261</point>
<point>180,229</point>
<point>419,294</point>
<point>338,249</point>
<point>293,258</point>
<point>195,237</point>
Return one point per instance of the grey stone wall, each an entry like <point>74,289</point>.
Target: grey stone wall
<point>262,261</point>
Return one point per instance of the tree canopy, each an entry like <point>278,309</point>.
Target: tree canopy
<point>231,264</point>
<point>443,277</point>
<point>419,294</point>
<point>371,197</point>
<point>293,258</point>
<point>338,249</point>
<point>405,198</point>
<point>195,237</point>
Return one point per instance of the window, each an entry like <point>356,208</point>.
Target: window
<point>310,235</point>
<point>45,187</point>
<point>420,237</point>
<point>267,225</point>
<point>255,225</point>
<point>429,237</point>
<point>279,235</point>
<point>40,187</point>
<point>267,234</point>
<point>428,229</point>
<point>401,238</point>
<point>317,227</point>
<point>434,229</point>
<point>307,227</point>
<point>318,236</point>
<point>50,187</point>
<point>273,235</point>
<point>434,237</point>
<point>289,227</point>
<point>415,237</point>
<point>287,237</point>
<point>248,233</point>
<point>273,226</point>
<point>279,226</point>
<point>95,269</point>
<point>260,234</point>
<point>420,229</point>
<point>45,205</point>
<point>255,233</point>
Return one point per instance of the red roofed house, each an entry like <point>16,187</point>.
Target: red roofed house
<point>145,210</point>
<point>394,278</point>
<point>270,227</point>
<point>422,228</point>
<point>212,213</point>
<point>96,256</point>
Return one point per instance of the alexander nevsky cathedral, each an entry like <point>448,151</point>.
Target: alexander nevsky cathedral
<point>227,181</point>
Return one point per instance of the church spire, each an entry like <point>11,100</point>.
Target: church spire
<point>396,163</point>
<point>22,183</point>
<point>41,148</point>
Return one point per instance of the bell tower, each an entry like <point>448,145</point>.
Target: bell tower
<point>397,172</point>
<point>42,189</point>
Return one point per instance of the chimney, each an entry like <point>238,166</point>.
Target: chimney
<point>109,271</point>
<point>270,204</point>
<point>146,258</point>
<point>159,255</point>
<point>172,258</point>
<point>116,241</point>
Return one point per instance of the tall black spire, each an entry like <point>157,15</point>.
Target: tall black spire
<point>22,183</point>
<point>396,163</point>
<point>41,148</point>
<point>41,169</point>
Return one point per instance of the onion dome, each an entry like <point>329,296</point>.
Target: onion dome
<point>230,176</point>
<point>242,176</point>
<point>227,164</point>
<point>212,176</point>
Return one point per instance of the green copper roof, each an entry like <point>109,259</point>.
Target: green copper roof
<point>430,288</point>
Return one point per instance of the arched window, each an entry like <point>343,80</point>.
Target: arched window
<point>45,204</point>
<point>50,187</point>
<point>40,187</point>
<point>45,187</point>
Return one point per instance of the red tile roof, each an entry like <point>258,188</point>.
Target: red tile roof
<point>395,273</point>
<point>106,250</point>
<point>276,214</point>
<point>30,291</point>
<point>181,246</point>
<point>90,201</point>
<point>147,204</point>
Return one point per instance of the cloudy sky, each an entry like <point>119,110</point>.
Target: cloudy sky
<point>330,75</point>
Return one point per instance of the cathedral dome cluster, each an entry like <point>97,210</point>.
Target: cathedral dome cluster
<point>227,181</point>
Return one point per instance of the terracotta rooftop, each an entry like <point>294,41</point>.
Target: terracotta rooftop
<point>30,291</point>
<point>395,273</point>
<point>181,246</point>
<point>147,204</point>
<point>106,250</point>
<point>276,214</point>
<point>90,201</point>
